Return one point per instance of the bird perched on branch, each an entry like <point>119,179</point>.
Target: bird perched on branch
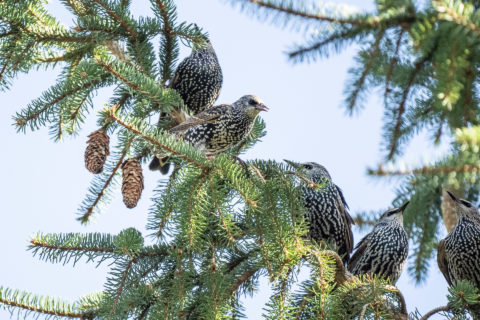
<point>218,128</point>
<point>383,251</point>
<point>327,210</point>
<point>458,254</point>
<point>198,79</point>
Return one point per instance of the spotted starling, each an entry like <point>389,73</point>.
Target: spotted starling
<point>383,251</point>
<point>327,211</point>
<point>198,79</point>
<point>220,127</point>
<point>458,254</point>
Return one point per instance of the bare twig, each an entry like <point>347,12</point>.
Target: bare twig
<point>362,313</point>
<point>403,304</point>
<point>436,310</point>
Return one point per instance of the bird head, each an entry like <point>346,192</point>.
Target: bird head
<point>251,105</point>
<point>464,208</point>
<point>393,215</point>
<point>313,170</point>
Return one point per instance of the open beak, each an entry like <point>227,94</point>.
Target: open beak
<point>452,196</point>
<point>262,107</point>
<point>293,164</point>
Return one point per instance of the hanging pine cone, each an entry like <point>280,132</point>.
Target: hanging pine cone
<point>132,182</point>
<point>97,151</point>
<point>449,215</point>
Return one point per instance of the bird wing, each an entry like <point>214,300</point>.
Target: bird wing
<point>359,250</point>
<point>207,116</point>
<point>347,219</point>
<point>341,196</point>
<point>442,261</point>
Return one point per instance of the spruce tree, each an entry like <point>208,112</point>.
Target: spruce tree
<point>218,224</point>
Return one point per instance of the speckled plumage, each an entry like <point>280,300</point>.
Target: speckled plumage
<point>327,211</point>
<point>458,254</point>
<point>383,251</point>
<point>220,127</point>
<point>198,79</point>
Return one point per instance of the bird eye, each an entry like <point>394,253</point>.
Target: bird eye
<point>466,203</point>
<point>308,166</point>
<point>252,102</point>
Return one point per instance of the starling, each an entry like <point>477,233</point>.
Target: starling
<point>458,254</point>
<point>327,210</point>
<point>383,251</point>
<point>218,128</point>
<point>198,79</point>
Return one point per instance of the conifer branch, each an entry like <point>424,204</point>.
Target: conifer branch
<point>244,277</point>
<point>43,244</point>
<point>264,250</point>
<point>2,71</point>
<point>18,25</point>
<point>168,34</point>
<point>135,87</point>
<point>86,216</point>
<point>303,304</point>
<point>7,34</point>
<point>153,141</point>
<point>73,315</point>
<point>35,15</point>
<point>164,220</point>
<point>122,283</point>
<point>372,55</point>
<point>300,52</point>
<point>444,10</point>
<point>307,15</point>
<point>22,120</point>
<point>393,61</point>
<point>194,190</point>
<point>401,108</point>
<point>436,310</point>
<point>62,57</point>
<point>425,170</point>
<point>115,17</point>
<point>76,111</point>
<point>21,55</point>
<point>220,215</point>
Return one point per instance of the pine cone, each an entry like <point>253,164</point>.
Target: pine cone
<point>448,207</point>
<point>132,183</point>
<point>97,151</point>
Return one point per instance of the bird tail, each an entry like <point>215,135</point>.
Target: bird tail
<point>161,164</point>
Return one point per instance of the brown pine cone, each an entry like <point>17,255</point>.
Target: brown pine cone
<point>132,182</point>
<point>448,207</point>
<point>97,151</point>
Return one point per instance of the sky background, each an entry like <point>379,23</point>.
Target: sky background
<point>43,182</point>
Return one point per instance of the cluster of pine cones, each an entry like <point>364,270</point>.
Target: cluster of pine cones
<point>132,177</point>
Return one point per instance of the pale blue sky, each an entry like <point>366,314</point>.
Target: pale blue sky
<point>44,182</point>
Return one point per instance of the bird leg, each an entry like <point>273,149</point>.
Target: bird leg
<point>243,164</point>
